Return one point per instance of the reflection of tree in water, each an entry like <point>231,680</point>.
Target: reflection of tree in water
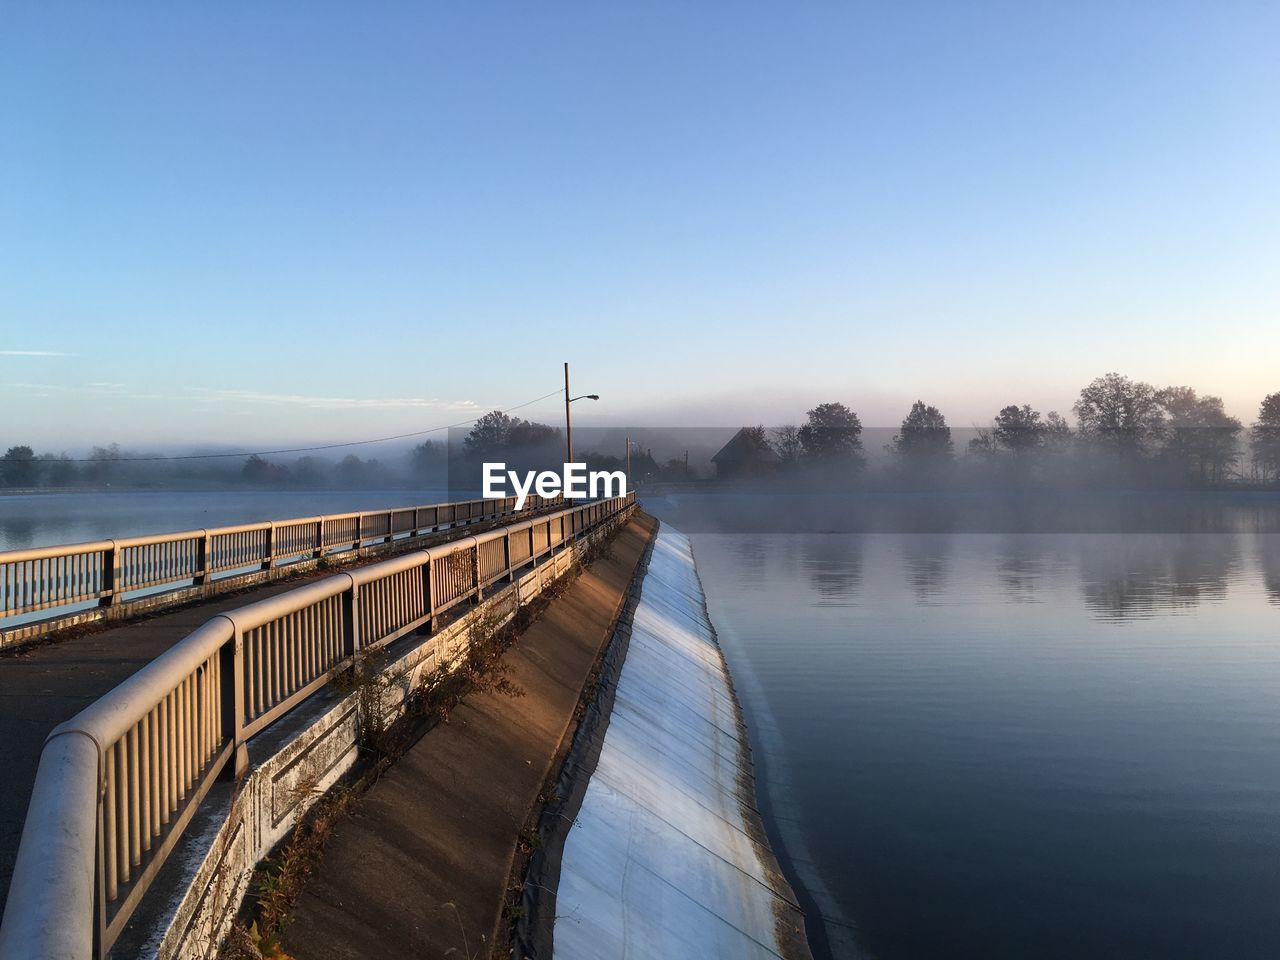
<point>926,559</point>
<point>19,532</point>
<point>1021,568</point>
<point>1141,576</point>
<point>833,565</point>
<point>1269,563</point>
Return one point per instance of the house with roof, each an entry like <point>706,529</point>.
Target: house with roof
<point>747,454</point>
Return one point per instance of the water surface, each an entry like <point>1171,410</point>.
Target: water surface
<point>1016,745</point>
<point>41,520</point>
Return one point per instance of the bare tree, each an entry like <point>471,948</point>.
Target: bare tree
<point>786,442</point>
<point>1057,432</point>
<point>983,444</point>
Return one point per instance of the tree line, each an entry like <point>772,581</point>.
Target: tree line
<point>527,445</point>
<point>1125,431</point>
<point>113,467</point>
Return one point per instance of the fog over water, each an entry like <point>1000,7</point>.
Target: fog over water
<point>977,741</point>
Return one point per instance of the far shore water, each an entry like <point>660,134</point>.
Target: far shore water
<point>49,517</point>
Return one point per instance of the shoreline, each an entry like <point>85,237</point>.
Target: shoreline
<point>666,853</point>
<point>808,890</point>
<point>821,911</point>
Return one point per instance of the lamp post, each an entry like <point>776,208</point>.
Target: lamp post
<point>568,417</point>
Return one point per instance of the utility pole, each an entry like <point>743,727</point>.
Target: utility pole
<point>568,419</point>
<point>628,459</point>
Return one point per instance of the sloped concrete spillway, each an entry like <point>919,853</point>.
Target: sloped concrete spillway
<point>667,856</point>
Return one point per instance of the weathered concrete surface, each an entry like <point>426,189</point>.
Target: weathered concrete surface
<point>667,856</point>
<point>420,870</point>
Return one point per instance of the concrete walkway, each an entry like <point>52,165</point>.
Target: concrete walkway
<point>420,869</point>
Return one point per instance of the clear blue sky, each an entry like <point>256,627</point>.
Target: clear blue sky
<point>259,222</point>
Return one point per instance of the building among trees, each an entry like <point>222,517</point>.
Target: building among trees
<point>747,454</point>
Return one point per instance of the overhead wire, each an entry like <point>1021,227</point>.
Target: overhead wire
<point>308,449</point>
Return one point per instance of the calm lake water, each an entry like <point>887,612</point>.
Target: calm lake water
<point>1016,745</point>
<point>47,519</point>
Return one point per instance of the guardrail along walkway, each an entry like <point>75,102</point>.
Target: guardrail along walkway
<point>42,686</point>
<point>48,587</point>
<point>118,783</point>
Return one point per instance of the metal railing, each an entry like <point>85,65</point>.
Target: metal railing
<point>118,783</point>
<point>48,578</point>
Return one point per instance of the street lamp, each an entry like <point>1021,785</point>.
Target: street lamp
<point>568,419</point>
<point>628,459</point>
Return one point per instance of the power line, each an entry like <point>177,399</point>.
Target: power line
<point>313,449</point>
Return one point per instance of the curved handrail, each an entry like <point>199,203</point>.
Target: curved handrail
<point>53,577</point>
<point>119,782</point>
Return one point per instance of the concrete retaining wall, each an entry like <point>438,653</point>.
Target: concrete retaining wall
<point>667,856</point>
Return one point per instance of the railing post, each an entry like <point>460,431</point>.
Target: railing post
<point>351,622</point>
<point>269,548</point>
<point>231,677</point>
<point>475,572</point>
<point>203,551</point>
<point>429,593</point>
<point>359,532</point>
<point>110,574</point>
<point>319,550</point>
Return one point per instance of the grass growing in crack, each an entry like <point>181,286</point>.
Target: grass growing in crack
<point>478,668</point>
<point>278,880</point>
<point>368,680</point>
<point>530,840</point>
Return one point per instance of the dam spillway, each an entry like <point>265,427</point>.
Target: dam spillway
<point>667,856</point>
